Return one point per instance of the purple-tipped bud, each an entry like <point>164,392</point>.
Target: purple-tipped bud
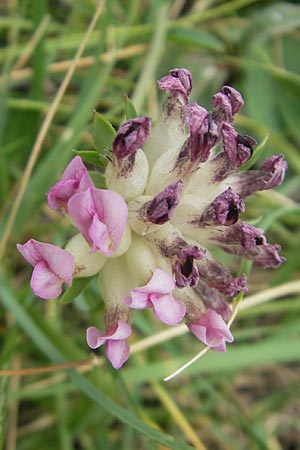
<point>160,209</point>
<point>130,137</point>
<point>178,81</point>
<point>185,271</point>
<point>245,240</point>
<point>270,175</point>
<point>216,276</point>
<point>226,104</point>
<point>203,133</point>
<point>237,148</point>
<point>274,167</point>
<point>224,210</point>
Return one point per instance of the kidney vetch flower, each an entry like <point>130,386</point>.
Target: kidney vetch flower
<point>172,194</point>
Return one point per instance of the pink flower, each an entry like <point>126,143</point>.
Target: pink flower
<point>74,179</point>
<point>101,216</point>
<point>52,267</point>
<point>158,294</point>
<point>117,347</point>
<point>211,329</point>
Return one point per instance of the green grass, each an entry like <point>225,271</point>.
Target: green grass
<point>245,399</point>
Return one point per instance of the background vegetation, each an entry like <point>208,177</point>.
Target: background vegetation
<point>247,398</point>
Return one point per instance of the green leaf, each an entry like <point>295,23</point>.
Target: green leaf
<point>92,157</point>
<point>103,134</point>
<point>73,291</point>
<point>193,37</point>
<point>130,111</point>
<point>273,20</point>
<point>98,179</point>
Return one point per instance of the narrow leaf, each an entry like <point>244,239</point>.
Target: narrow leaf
<point>130,111</point>
<point>73,291</point>
<point>103,134</point>
<point>92,157</point>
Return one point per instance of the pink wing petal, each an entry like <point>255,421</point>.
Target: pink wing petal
<point>168,309</point>
<point>74,170</point>
<point>99,236</point>
<point>218,324</point>
<point>110,209</point>
<point>117,352</point>
<point>60,193</point>
<point>138,300</point>
<point>74,179</point>
<point>221,347</point>
<point>160,283</point>
<point>44,282</point>
<point>59,261</point>
<point>30,252</point>
<point>199,331</point>
<point>113,212</point>
<point>82,210</point>
<point>94,337</point>
<point>123,331</point>
<point>85,182</point>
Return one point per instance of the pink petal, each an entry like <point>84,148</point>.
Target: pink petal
<point>59,261</point>
<point>123,331</point>
<point>82,210</point>
<point>199,331</point>
<point>160,283</point>
<point>137,300</point>
<point>60,193</point>
<point>30,252</point>
<point>168,309</point>
<point>94,337</point>
<point>99,236</point>
<point>74,170</point>
<point>218,324</point>
<point>74,179</point>
<point>110,209</point>
<point>44,282</point>
<point>221,347</point>
<point>117,352</point>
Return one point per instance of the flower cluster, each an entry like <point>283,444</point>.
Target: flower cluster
<point>173,193</point>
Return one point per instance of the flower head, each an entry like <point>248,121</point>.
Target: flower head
<point>173,193</point>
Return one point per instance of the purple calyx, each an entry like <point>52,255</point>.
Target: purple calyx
<point>161,208</point>
<point>203,133</point>
<point>179,81</point>
<point>224,210</point>
<point>226,104</point>
<point>185,270</point>
<point>130,137</point>
<point>269,175</point>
